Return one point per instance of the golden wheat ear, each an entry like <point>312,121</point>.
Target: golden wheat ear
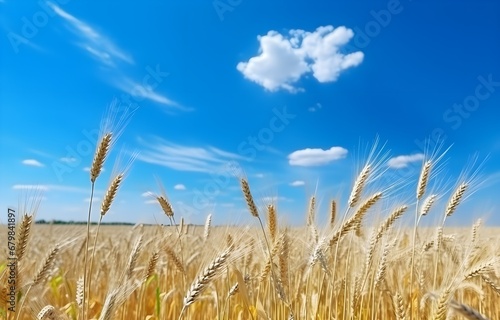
<point>206,276</point>
<point>245,188</point>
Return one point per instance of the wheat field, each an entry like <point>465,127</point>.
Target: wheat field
<point>354,266</point>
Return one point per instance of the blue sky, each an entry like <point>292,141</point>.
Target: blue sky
<point>291,94</point>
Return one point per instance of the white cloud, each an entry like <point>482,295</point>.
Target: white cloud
<point>297,183</point>
<point>96,44</point>
<point>316,157</point>
<point>186,158</point>
<point>259,175</point>
<point>32,162</point>
<point>284,60</point>
<point>404,160</point>
<point>180,187</point>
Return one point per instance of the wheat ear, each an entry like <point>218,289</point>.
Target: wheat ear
<point>272,221</point>
<point>111,194</point>
<point>355,220</point>
<point>206,276</point>
<point>206,231</point>
<point>165,206</point>
<point>312,211</point>
<point>466,311</point>
<point>134,255</point>
<point>455,199</point>
<point>79,292</point>
<point>249,198</point>
<point>424,178</point>
<point>46,267</point>
<point>23,236</point>
<point>153,260</point>
<point>333,212</point>
<point>100,156</point>
<point>174,258</point>
<point>47,313</point>
<point>427,204</point>
<point>359,184</point>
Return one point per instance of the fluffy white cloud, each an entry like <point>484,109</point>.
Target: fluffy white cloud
<point>297,183</point>
<point>316,157</point>
<point>283,60</point>
<point>404,160</point>
<point>180,187</point>
<point>32,162</point>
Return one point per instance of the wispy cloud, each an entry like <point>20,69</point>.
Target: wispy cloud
<point>403,161</point>
<point>32,162</point>
<point>96,44</point>
<point>141,92</point>
<point>187,158</point>
<point>316,157</point>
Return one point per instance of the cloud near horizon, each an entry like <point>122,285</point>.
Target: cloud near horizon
<point>284,59</point>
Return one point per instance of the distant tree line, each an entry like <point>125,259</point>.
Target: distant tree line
<point>71,222</point>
